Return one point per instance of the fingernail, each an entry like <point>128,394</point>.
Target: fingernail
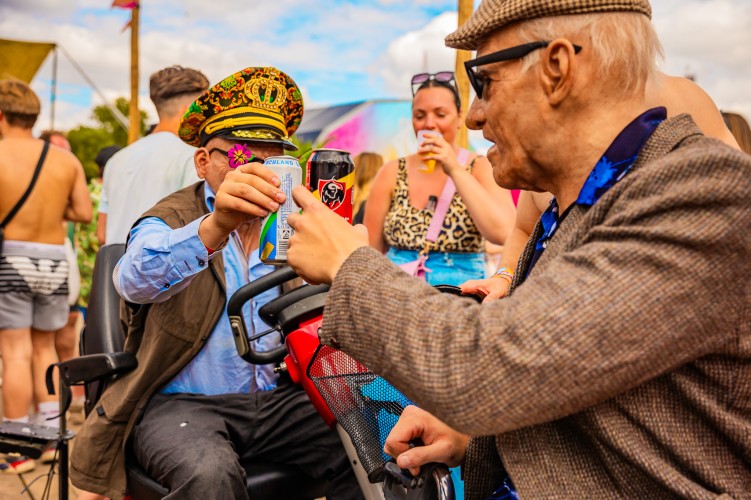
<point>276,181</point>
<point>264,213</point>
<point>273,206</point>
<point>406,462</point>
<point>280,196</point>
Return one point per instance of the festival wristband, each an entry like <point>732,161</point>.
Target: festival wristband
<point>504,273</point>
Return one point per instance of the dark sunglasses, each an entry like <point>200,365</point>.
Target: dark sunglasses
<point>446,77</point>
<point>502,55</point>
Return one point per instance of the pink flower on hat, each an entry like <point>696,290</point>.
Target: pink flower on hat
<point>239,154</point>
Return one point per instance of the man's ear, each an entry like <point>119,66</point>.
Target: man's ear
<point>201,159</point>
<point>558,65</point>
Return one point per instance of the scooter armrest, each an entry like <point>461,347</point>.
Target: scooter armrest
<point>86,369</point>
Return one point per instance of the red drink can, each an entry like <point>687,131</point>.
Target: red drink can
<point>330,176</point>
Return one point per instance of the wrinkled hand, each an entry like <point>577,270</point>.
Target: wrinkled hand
<point>435,147</point>
<point>490,288</point>
<point>442,444</point>
<point>322,240</point>
<point>247,193</point>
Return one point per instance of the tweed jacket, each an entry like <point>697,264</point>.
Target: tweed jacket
<point>165,337</point>
<point>619,368</point>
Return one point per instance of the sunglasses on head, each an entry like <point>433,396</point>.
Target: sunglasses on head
<point>517,52</point>
<point>445,77</point>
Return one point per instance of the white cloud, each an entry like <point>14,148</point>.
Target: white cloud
<point>369,48</point>
<point>709,39</point>
<point>418,51</point>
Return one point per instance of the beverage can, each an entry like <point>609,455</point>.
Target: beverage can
<point>275,231</point>
<point>330,176</point>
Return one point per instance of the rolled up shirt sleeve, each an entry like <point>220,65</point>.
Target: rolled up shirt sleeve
<point>159,261</point>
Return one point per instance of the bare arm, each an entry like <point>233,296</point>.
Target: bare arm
<point>79,207</point>
<point>491,206</point>
<point>527,214</point>
<point>378,204</point>
<point>101,228</point>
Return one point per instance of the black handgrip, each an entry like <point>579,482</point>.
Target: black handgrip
<point>432,483</point>
<point>237,322</point>
<point>270,311</point>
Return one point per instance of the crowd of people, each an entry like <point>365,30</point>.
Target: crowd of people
<point>615,365</point>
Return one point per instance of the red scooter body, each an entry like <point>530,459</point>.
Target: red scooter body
<point>302,344</point>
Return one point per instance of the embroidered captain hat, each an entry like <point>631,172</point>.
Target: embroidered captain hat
<point>492,15</point>
<point>256,104</point>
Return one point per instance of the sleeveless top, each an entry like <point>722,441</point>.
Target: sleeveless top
<point>405,226</point>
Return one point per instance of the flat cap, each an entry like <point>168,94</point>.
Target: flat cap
<point>255,104</point>
<point>492,15</point>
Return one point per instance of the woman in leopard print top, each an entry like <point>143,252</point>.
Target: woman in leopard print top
<point>398,216</point>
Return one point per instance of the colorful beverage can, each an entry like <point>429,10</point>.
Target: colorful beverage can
<point>275,232</point>
<point>330,176</point>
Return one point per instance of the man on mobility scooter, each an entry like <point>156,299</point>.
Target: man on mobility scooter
<point>618,365</point>
<point>192,410</point>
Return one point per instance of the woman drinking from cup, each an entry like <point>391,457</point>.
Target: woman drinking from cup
<point>408,192</point>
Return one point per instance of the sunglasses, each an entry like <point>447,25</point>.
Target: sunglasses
<point>478,82</point>
<point>446,77</point>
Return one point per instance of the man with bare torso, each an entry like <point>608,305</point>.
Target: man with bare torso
<point>33,267</point>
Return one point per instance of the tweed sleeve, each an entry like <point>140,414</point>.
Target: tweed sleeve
<point>632,295</point>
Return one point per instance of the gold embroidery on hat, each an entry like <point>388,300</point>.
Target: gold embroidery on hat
<point>229,118</point>
<point>256,134</point>
<point>268,92</point>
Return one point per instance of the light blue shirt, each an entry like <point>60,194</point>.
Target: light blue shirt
<point>160,262</point>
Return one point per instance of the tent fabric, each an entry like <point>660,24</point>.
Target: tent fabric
<point>22,59</point>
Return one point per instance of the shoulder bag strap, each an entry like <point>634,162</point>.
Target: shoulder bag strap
<point>442,207</point>
<point>34,178</point>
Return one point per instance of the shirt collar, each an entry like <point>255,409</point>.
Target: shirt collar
<point>209,196</point>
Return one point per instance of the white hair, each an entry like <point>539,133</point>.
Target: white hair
<point>624,44</point>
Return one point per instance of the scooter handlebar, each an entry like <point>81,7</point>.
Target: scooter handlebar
<point>237,322</point>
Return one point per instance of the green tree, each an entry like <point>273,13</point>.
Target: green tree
<point>87,141</point>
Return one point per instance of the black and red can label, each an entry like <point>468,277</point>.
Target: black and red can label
<point>330,176</point>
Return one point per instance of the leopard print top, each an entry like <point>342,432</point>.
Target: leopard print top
<point>405,226</point>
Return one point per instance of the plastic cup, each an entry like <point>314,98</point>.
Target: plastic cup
<point>427,165</point>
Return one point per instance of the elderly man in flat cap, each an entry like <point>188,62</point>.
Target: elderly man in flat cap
<point>193,410</point>
<point>619,365</point>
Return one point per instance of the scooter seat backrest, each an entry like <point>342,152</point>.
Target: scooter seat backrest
<point>103,332</point>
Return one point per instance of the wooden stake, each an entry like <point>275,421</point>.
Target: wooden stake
<point>462,83</point>
<point>134,116</point>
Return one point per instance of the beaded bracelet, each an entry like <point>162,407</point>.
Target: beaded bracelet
<point>504,273</point>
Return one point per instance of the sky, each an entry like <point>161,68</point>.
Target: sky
<point>337,51</point>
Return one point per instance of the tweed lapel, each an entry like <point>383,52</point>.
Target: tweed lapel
<point>668,136</point>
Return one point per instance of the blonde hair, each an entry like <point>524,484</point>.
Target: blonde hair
<point>740,129</point>
<point>367,165</point>
<point>624,44</point>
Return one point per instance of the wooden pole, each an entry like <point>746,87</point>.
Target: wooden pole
<point>134,116</point>
<point>462,83</point>
<point>53,96</point>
